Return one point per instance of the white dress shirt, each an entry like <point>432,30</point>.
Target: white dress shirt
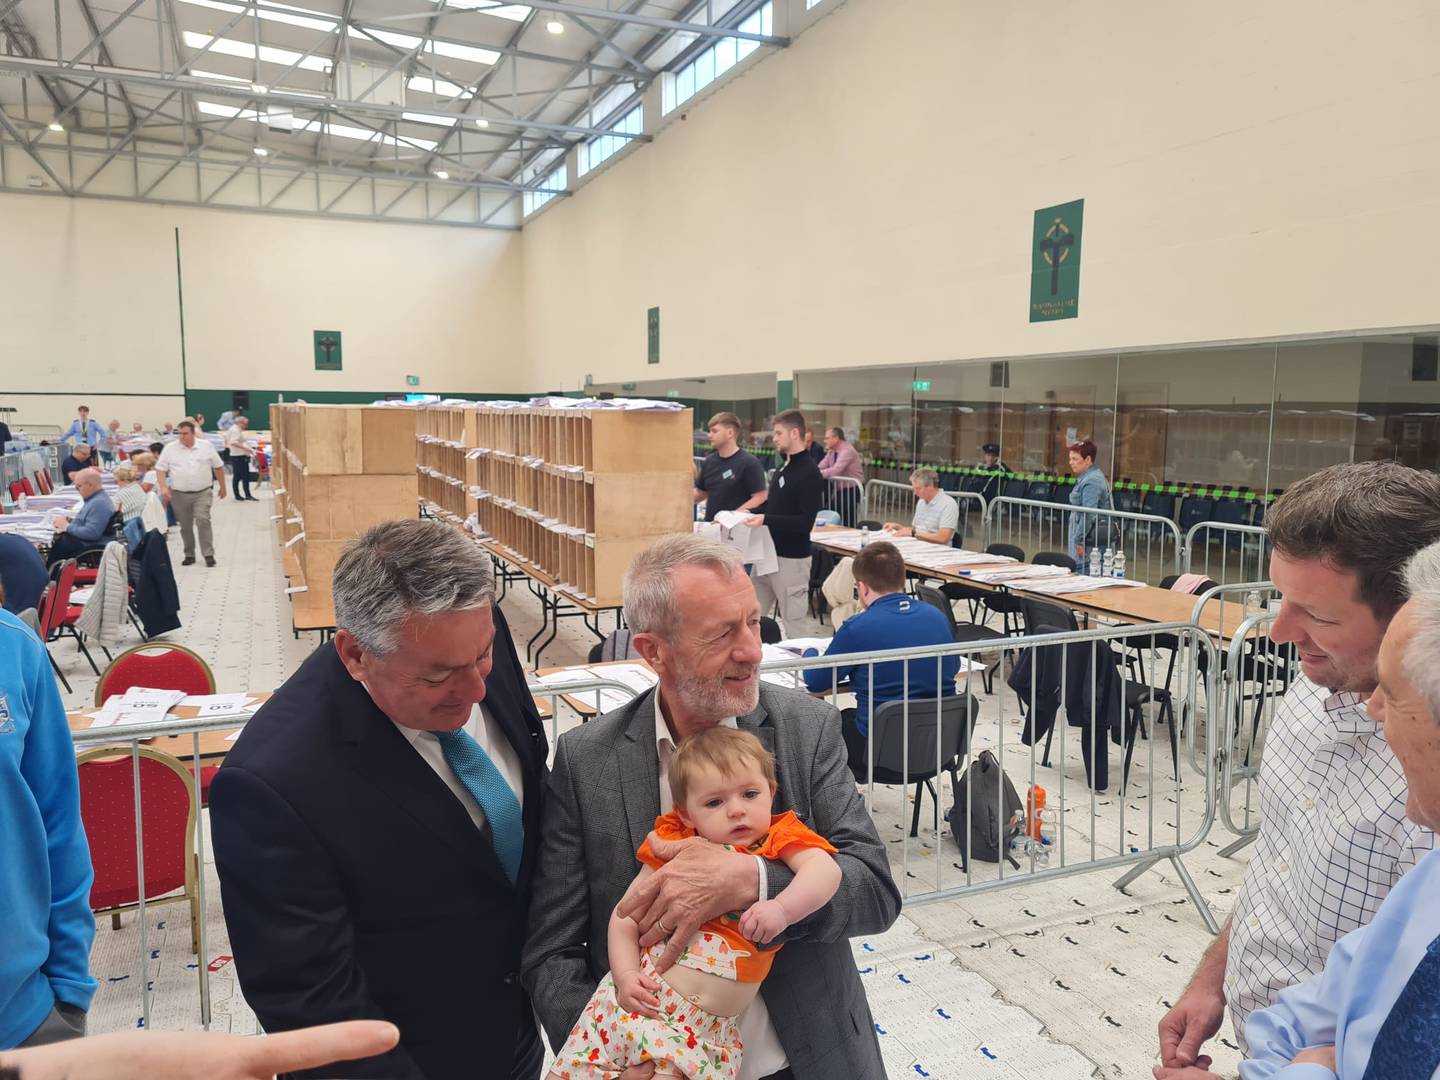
<point>484,729</point>
<point>763,1053</point>
<point>1333,841</point>
<point>189,468</point>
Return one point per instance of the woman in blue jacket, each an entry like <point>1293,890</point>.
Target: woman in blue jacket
<point>1091,491</point>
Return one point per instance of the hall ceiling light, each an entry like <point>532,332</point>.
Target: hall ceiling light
<point>480,121</point>
<point>555,26</point>
<point>260,151</point>
<point>55,125</point>
<point>259,88</point>
<point>441,174</point>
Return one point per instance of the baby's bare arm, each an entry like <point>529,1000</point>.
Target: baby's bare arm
<point>817,876</point>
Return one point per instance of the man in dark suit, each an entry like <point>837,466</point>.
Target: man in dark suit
<point>376,824</point>
<point>695,619</point>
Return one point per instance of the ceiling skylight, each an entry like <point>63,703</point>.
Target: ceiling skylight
<point>316,126</point>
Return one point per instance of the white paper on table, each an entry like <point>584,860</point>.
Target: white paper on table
<point>1073,583</point>
<point>204,701</point>
<point>796,646</point>
<point>138,705</point>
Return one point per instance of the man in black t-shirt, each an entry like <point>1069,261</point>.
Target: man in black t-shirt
<point>796,491</point>
<point>730,479</point>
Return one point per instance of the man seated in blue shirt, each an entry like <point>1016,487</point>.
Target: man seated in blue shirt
<point>889,620</point>
<point>1374,1012</point>
<point>91,526</point>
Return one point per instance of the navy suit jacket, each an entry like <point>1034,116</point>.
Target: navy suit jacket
<point>356,886</point>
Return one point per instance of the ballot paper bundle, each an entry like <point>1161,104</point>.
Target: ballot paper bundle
<point>147,705</point>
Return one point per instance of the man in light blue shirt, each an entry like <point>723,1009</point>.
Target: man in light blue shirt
<point>1374,1012</point>
<point>91,523</point>
<point>84,430</point>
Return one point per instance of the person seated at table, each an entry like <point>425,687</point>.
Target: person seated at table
<point>78,458</point>
<point>129,495</point>
<point>1372,1013</point>
<point>890,619</point>
<point>90,526</point>
<point>144,463</point>
<point>937,514</point>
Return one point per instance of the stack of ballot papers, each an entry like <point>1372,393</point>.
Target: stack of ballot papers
<point>144,705</point>
<point>1073,583</point>
<point>636,676</point>
<point>1019,575</point>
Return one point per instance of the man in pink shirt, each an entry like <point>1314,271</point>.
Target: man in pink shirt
<point>841,460</point>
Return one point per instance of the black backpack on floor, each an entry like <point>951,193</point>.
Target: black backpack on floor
<point>982,830</point>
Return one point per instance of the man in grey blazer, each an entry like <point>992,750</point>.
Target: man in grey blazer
<point>696,620</point>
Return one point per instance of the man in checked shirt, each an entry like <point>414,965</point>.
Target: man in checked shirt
<point>1333,834</point>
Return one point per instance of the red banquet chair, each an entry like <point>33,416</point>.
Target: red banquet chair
<point>58,615</point>
<point>161,665</point>
<point>168,814</point>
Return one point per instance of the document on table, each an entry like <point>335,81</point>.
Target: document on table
<point>138,705</point>
<point>1006,575</point>
<point>216,704</point>
<point>1073,583</point>
<point>639,679</point>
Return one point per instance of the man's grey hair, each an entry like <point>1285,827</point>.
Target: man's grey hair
<point>925,478</point>
<point>649,590</point>
<point>1422,582</point>
<point>402,568</point>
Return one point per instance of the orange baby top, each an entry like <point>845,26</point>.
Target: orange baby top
<point>718,947</point>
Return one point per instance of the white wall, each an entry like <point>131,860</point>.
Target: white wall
<point>89,305</point>
<point>866,196</point>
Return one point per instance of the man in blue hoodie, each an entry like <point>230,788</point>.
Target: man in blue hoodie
<point>45,983</point>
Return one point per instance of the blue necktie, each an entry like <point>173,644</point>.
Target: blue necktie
<point>483,780</point>
<point>1408,1045</point>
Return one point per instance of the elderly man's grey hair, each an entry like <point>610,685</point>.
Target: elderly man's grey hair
<point>1422,657</point>
<point>402,568</point>
<point>925,478</point>
<point>650,582</point>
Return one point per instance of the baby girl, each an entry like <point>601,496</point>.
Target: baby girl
<point>723,783</point>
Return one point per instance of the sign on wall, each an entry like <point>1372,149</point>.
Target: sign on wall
<point>1055,262</point>
<point>327,350</point>
<point>652,325</point>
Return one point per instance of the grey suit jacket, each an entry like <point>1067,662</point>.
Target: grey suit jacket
<point>603,798</point>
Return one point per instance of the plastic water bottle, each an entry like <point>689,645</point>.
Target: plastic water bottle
<point>865,536</point>
<point>1094,562</point>
<point>1118,567</point>
<point>1107,564</point>
<point>1254,605</point>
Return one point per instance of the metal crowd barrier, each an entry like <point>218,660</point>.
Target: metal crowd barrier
<point>1153,546</point>
<point>1257,674</point>
<point>1063,675</point>
<point>846,496</point>
<point>1226,552</point>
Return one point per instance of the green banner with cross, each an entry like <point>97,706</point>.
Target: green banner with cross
<point>327,350</point>
<point>1055,262</point>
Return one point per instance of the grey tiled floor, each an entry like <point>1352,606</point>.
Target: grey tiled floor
<point>1047,980</point>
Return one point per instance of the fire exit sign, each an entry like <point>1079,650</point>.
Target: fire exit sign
<point>921,386</point>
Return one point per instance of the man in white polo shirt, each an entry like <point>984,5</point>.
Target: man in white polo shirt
<point>937,514</point>
<point>186,470</point>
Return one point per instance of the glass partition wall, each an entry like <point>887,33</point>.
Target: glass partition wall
<point>1204,437</point>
